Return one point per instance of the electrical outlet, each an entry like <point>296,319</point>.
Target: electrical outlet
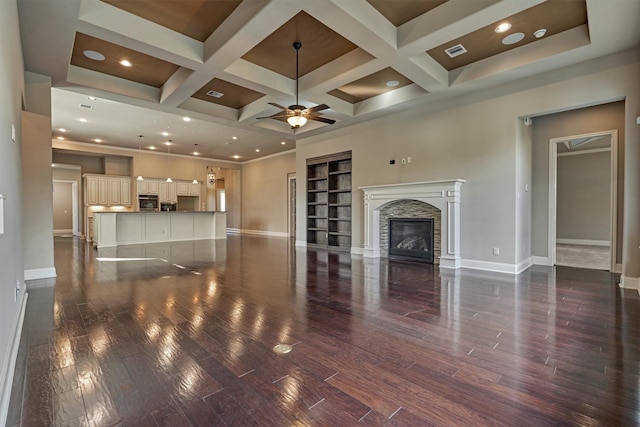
<point>13,133</point>
<point>496,251</point>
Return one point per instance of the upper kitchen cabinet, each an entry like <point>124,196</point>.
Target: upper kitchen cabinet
<point>107,190</point>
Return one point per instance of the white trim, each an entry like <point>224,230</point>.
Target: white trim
<point>9,367</point>
<point>282,153</point>
<point>357,251</point>
<point>630,283</point>
<point>233,230</point>
<point>301,243</point>
<point>291,207</point>
<point>39,273</point>
<point>497,267</point>
<point>583,242</point>
<point>577,153</point>
<point>264,233</point>
<point>541,260</point>
<point>613,203</point>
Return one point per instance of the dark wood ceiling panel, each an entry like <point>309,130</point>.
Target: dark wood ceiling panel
<point>370,86</point>
<point>320,45</point>
<point>146,69</point>
<point>400,12</point>
<point>555,16</point>
<point>234,96</point>
<point>197,19</point>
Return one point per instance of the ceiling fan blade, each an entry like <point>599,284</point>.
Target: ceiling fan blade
<point>280,115</point>
<point>318,108</point>
<point>322,119</point>
<point>278,106</point>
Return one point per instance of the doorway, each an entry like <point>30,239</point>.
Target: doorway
<point>65,208</point>
<point>583,200</point>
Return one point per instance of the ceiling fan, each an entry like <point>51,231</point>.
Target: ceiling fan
<point>297,115</point>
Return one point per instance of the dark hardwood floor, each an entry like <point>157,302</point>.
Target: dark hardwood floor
<point>182,334</point>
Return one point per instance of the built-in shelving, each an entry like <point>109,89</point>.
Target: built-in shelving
<point>329,201</point>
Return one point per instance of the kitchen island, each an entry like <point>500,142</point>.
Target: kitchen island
<point>130,228</point>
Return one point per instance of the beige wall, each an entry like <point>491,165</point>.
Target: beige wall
<point>264,193</point>
<point>11,257</point>
<point>583,196</point>
<point>62,207</point>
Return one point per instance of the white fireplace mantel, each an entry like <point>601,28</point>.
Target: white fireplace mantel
<point>444,195</point>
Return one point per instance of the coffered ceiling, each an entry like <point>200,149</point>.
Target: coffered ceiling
<point>221,63</point>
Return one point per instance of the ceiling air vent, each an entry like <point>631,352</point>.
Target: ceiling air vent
<point>215,94</point>
<point>456,50</point>
<point>88,107</point>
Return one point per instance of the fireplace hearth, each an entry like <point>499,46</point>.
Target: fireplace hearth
<point>411,239</point>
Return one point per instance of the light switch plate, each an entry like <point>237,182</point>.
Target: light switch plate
<point>13,133</point>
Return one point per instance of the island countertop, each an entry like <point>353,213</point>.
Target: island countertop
<point>128,228</point>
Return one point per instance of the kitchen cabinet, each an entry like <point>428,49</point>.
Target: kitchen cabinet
<point>148,186</point>
<point>329,201</point>
<point>107,190</point>
<point>185,188</point>
<point>167,193</point>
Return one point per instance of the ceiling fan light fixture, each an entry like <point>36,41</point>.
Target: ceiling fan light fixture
<point>297,120</point>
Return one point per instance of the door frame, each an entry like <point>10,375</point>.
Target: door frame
<point>553,193</point>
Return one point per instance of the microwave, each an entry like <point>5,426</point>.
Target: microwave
<point>148,203</point>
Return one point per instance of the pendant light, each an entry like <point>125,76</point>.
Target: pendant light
<point>195,153</point>
<point>139,178</point>
<point>169,160</point>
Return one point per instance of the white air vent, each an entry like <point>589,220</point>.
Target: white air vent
<point>456,50</point>
<point>88,107</point>
<point>215,94</point>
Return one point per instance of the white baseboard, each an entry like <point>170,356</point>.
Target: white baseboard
<point>264,233</point>
<point>39,273</point>
<point>301,243</point>
<point>540,260</point>
<point>9,365</point>
<point>497,267</point>
<point>583,242</point>
<point>357,251</point>
<point>630,283</point>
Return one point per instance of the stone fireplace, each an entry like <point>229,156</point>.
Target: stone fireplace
<point>442,196</point>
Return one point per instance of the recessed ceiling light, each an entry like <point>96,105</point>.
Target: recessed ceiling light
<point>125,63</point>
<point>505,26</point>
<point>98,140</point>
<point>257,150</point>
<point>92,54</point>
<point>169,142</point>
<point>61,138</point>
<point>234,137</point>
<point>186,119</point>
<point>62,129</point>
<point>540,33</point>
<point>283,143</point>
<point>236,156</point>
<point>392,83</point>
<point>151,147</point>
<point>195,153</point>
<point>165,133</point>
<point>83,120</point>
<point>92,98</point>
<point>512,38</point>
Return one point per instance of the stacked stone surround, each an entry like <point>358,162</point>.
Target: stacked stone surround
<point>409,209</point>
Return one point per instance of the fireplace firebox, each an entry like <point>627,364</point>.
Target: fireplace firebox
<point>411,239</point>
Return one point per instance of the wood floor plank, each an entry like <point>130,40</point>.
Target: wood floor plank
<point>386,343</point>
